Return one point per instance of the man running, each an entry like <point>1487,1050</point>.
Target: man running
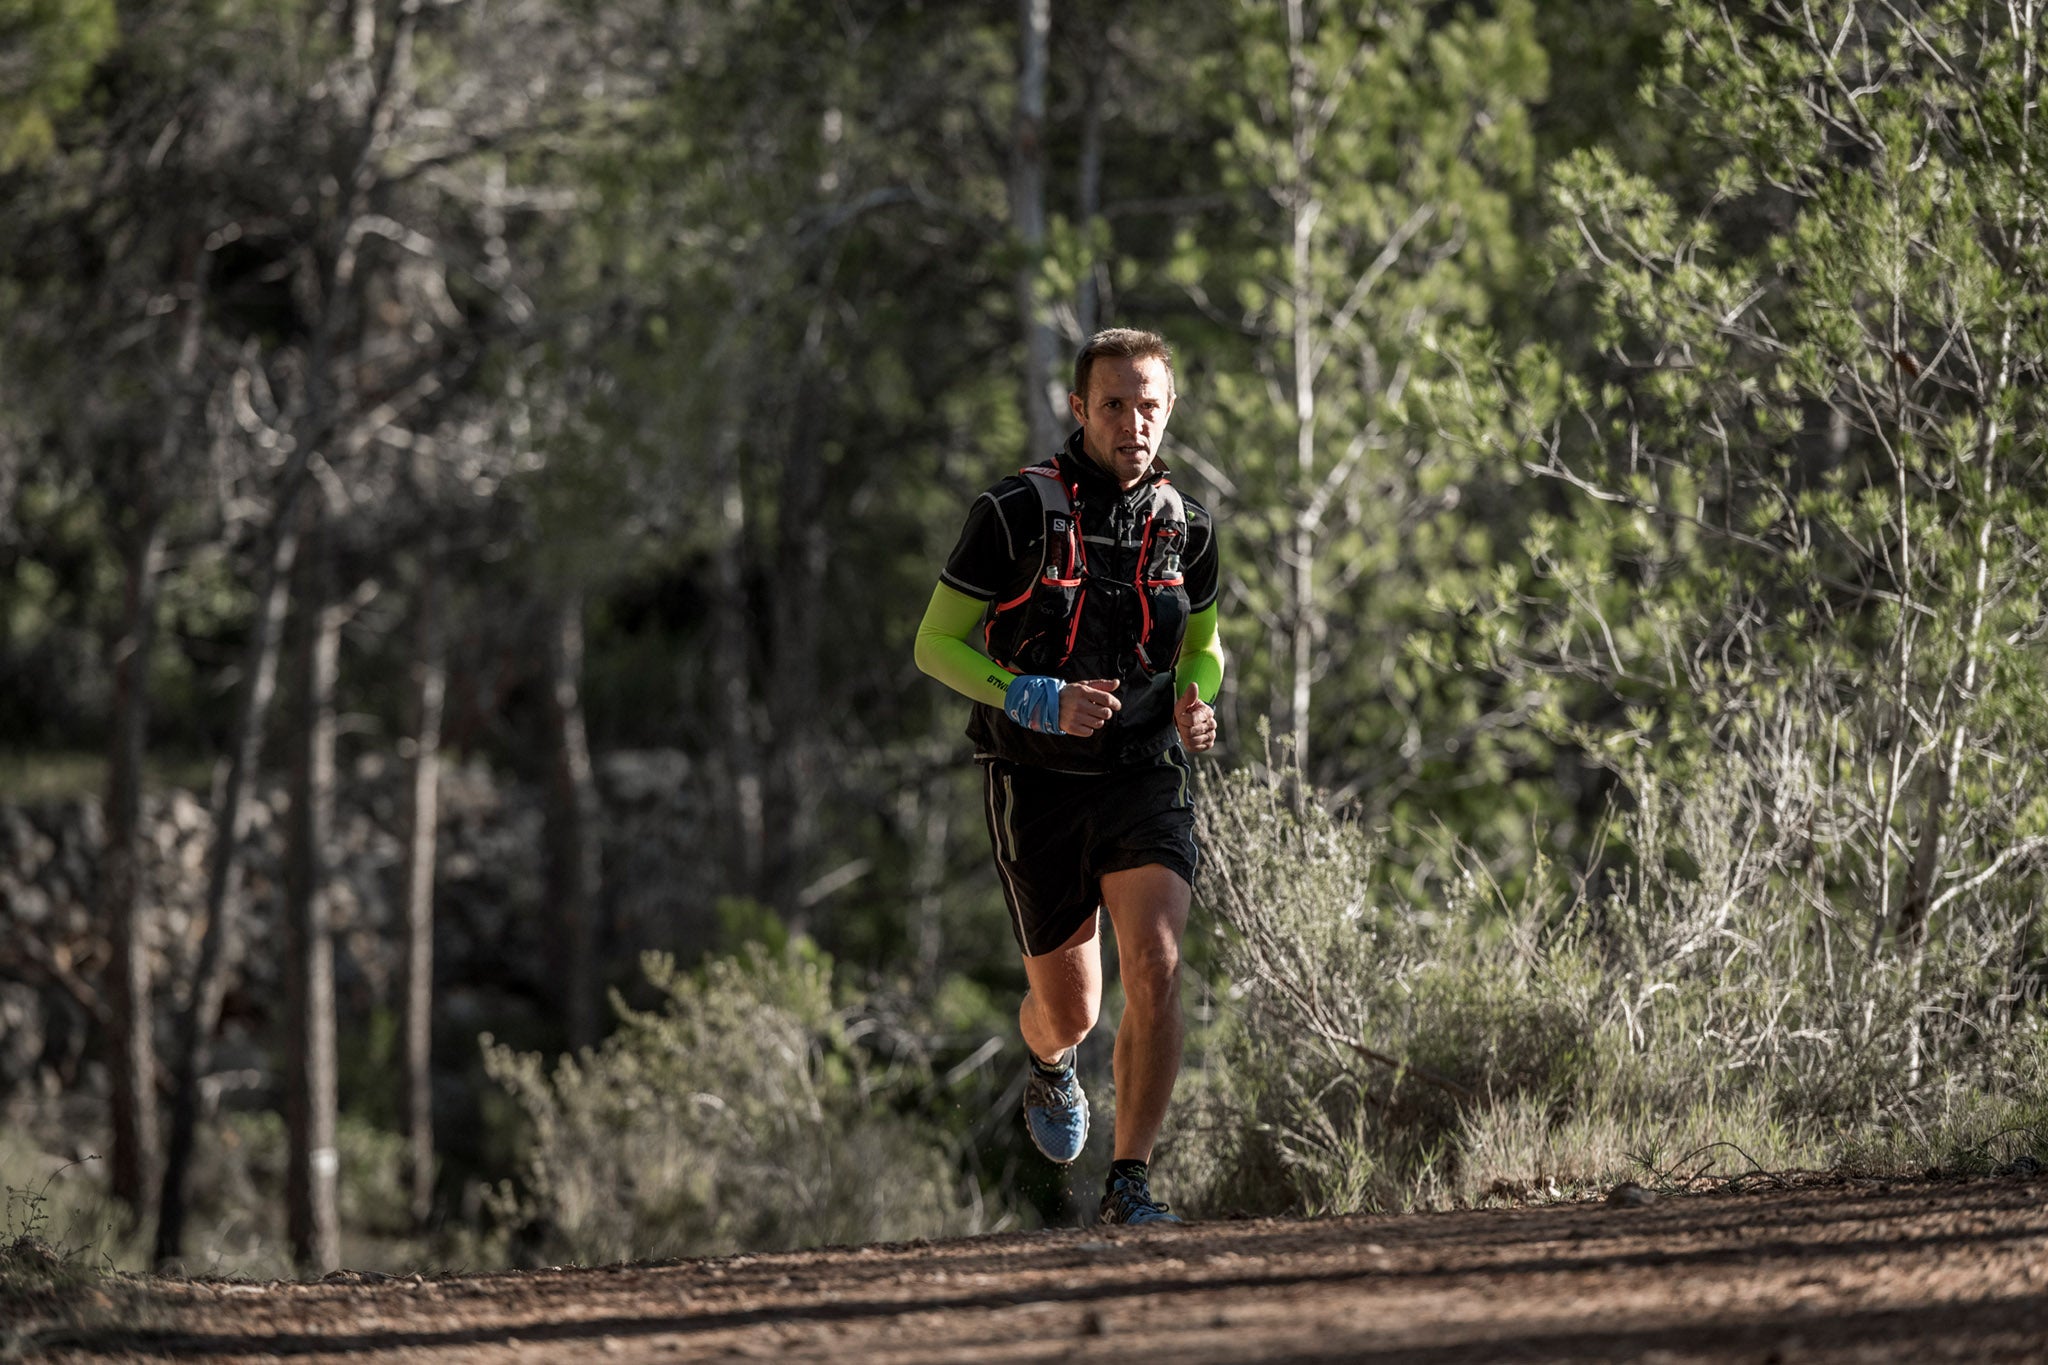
<point>1078,612</point>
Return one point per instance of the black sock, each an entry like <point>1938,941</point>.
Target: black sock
<point>1127,1169</point>
<point>1048,1070</point>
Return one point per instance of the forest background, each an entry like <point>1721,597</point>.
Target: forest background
<point>470,471</point>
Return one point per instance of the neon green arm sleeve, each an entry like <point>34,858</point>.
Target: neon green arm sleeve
<point>944,652</point>
<point>1201,656</point>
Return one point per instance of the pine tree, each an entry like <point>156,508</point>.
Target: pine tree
<point>1373,159</point>
<point>1808,486</point>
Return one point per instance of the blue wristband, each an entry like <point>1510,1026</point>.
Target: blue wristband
<point>1033,701</point>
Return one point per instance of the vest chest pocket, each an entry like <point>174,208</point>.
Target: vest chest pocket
<point>1163,560</point>
<point>1062,563</point>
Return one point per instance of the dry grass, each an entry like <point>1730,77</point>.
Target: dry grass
<point>1702,1007</point>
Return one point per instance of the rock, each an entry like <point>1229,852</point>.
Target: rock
<point>15,833</point>
<point>85,816</point>
<point>186,813</point>
<point>36,852</point>
<point>21,1033</point>
<point>26,904</point>
<point>644,776</point>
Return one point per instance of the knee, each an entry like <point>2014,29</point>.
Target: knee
<point>1070,1020</point>
<point>1151,975</point>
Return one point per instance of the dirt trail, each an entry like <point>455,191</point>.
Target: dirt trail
<point>1822,1270</point>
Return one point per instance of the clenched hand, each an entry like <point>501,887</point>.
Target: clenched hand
<point>1196,721</point>
<point>1086,707</point>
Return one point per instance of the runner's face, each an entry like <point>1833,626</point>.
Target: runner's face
<point>1123,417</point>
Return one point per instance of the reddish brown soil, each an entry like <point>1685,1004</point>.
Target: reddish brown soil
<point>1810,1270</point>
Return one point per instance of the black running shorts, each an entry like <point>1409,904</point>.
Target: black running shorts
<point>1055,834</point>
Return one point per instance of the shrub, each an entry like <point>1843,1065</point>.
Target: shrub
<point>737,1115</point>
<point>1698,1007</point>
<point>1362,1032</point>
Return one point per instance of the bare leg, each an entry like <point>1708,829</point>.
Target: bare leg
<point>1065,993</point>
<point>1149,907</point>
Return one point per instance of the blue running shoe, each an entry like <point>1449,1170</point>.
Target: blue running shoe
<point>1055,1110</point>
<point>1130,1201</point>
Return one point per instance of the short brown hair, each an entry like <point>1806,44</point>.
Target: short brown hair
<point>1124,343</point>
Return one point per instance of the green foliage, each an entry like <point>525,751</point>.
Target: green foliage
<point>50,47</point>
<point>1713,574</point>
<point>738,1115</point>
<point>57,593</point>
<point>1375,158</point>
<point>1800,487</point>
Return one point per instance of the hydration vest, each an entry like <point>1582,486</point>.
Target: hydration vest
<point>1047,627</point>
<point>1107,611</point>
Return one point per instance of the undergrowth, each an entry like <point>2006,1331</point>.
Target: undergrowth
<point>739,1115</point>
<point>1695,1010</point>
<point>56,1284</point>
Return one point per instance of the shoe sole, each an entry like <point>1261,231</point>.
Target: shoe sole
<point>1080,1144</point>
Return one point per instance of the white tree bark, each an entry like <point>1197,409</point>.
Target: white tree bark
<point>1027,221</point>
<point>430,685</point>
<point>312,1160</point>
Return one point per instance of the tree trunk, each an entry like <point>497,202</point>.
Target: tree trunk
<point>796,776</point>
<point>430,685</point>
<point>259,671</point>
<point>131,1017</point>
<point>572,822</point>
<point>926,811</point>
<point>1914,904</point>
<point>133,1075</point>
<point>1027,220</point>
<point>312,1162</point>
<point>742,814</point>
<point>223,882</point>
<point>1303,210</point>
<point>1088,197</point>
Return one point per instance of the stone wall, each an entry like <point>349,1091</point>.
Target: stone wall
<point>491,967</point>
